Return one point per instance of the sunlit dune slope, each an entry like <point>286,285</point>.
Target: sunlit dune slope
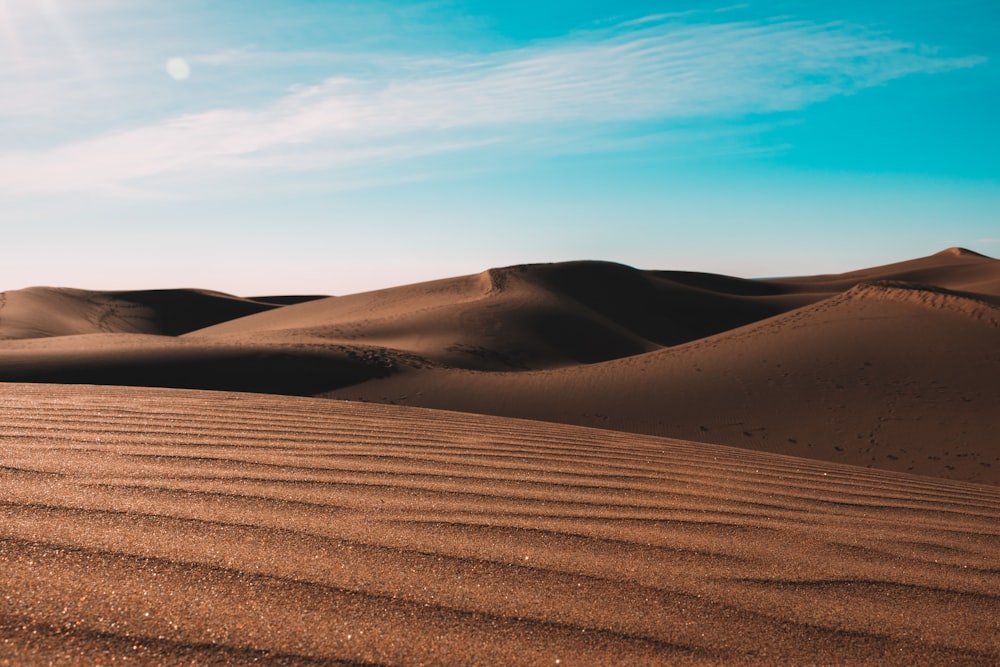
<point>176,527</point>
<point>954,268</point>
<point>890,375</point>
<point>37,312</point>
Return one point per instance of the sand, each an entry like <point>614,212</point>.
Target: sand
<point>891,367</point>
<point>183,527</point>
<point>568,464</point>
<point>898,378</point>
<point>40,312</point>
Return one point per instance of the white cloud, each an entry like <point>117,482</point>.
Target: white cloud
<point>650,70</point>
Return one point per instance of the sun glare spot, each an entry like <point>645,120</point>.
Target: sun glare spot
<point>178,69</point>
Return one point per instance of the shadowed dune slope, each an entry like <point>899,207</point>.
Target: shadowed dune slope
<point>543,316</point>
<point>166,361</point>
<point>37,312</point>
<point>289,299</point>
<point>890,375</point>
<point>530,316</point>
<point>177,527</point>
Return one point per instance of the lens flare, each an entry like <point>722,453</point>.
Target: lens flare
<point>178,69</point>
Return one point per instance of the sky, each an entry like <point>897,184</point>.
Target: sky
<point>318,146</point>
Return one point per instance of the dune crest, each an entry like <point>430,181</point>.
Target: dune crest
<point>976,306</point>
<point>954,268</point>
<point>962,252</point>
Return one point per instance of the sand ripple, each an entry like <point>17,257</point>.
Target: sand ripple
<point>182,527</point>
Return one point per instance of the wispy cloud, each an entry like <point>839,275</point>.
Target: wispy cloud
<point>658,18</point>
<point>647,70</point>
<point>987,240</point>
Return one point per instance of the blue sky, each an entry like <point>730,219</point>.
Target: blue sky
<point>320,146</point>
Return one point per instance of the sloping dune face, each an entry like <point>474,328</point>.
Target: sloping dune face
<point>888,374</point>
<point>179,527</point>
<point>550,315</point>
<point>166,361</point>
<point>527,317</point>
<point>39,312</point>
<point>955,269</point>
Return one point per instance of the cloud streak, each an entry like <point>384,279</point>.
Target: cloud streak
<point>652,70</point>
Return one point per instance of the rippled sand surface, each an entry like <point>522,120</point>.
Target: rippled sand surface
<point>184,527</point>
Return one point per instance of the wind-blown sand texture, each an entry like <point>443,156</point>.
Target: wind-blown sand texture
<point>182,527</point>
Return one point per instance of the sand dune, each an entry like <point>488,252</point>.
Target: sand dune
<point>541,316</point>
<point>164,361</point>
<point>888,375</point>
<point>177,527</point>
<point>954,269</point>
<point>527,317</point>
<point>892,367</point>
<point>37,312</point>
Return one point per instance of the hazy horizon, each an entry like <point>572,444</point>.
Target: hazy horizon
<point>303,147</point>
<point>418,277</point>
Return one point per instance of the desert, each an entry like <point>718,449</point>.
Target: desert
<point>419,333</point>
<point>577,463</point>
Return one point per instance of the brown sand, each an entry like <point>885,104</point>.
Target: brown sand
<point>38,312</point>
<point>527,317</point>
<point>555,315</point>
<point>885,375</point>
<point>142,359</point>
<point>179,527</point>
<point>892,367</point>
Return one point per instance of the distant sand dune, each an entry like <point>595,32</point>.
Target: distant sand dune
<point>527,317</point>
<point>892,366</point>
<point>37,312</point>
<point>141,360</point>
<point>954,269</point>
<point>890,375</point>
<point>177,527</point>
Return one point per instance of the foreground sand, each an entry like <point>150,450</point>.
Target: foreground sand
<point>182,527</point>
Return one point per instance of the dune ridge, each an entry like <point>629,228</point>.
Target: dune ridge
<point>173,526</point>
<point>977,306</point>
<point>953,268</point>
<point>528,317</point>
